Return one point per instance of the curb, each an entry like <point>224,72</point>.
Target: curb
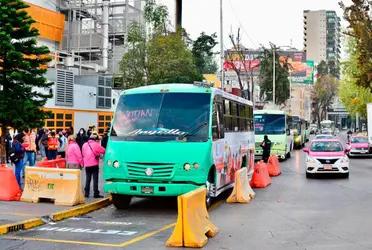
<point>23,225</point>
<point>58,216</point>
<point>80,210</point>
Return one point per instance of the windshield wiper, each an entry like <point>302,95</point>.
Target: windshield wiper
<point>192,132</point>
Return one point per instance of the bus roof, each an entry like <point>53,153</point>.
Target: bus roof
<point>269,111</point>
<point>184,88</point>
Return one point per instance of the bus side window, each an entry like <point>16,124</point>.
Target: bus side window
<point>220,121</point>
<point>215,134</point>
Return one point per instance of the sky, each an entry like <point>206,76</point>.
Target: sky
<point>260,21</point>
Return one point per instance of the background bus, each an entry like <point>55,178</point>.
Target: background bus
<point>299,130</point>
<point>169,139</point>
<point>327,126</point>
<point>274,124</point>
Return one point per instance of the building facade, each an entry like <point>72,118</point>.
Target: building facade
<point>322,37</point>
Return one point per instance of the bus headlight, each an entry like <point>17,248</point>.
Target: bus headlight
<point>187,166</point>
<point>115,164</point>
<point>196,165</point>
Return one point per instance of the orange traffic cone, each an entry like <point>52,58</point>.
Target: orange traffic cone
<point>9,188</point>
<point>260,178</point>
<point>273,166</point>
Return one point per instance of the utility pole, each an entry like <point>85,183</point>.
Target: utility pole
<point>178,13</point>
<point>221,48</point>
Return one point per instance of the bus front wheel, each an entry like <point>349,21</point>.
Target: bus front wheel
<point>121,201</point>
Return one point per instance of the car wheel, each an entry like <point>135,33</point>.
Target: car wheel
<point>121,201</point>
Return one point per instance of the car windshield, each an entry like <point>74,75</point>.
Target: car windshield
<point>269,124</point>
<point>326,146</point>
<point>359,140</point>
<point>162,117</point>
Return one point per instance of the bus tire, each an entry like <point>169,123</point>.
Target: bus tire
<point>288,155</point>
<point>121,201</point>
<point>210,184</point>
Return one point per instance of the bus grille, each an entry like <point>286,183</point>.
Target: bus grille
<point>159,170</point>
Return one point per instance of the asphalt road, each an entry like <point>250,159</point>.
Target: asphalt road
<point>292,213</point>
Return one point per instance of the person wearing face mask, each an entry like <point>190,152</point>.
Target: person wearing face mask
<point>53,144</point>
<point>81,137</point>
<point>63,144</point>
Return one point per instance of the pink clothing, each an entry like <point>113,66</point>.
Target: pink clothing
<point>29,142</point>
<point>73,154</point>
<point>91,152</point>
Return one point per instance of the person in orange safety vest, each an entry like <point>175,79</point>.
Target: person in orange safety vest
<point>53,144</point>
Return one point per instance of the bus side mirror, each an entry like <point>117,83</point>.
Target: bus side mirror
<point>288,132</point>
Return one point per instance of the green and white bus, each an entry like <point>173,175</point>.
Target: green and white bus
<point>275,125</point>
<point>169,139</point>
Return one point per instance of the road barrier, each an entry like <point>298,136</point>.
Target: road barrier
<point>261,177</point>
<point>242,192</point>
<point>9,188</point>
<point>273,166</point>
<point>63,186</point>
<point>57,163</point>
<point>193,225</point>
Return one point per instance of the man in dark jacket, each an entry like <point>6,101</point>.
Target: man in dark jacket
<point>266,147</point>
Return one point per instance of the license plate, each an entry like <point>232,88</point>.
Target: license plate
<point>147,190</point>
<point>327,167</point>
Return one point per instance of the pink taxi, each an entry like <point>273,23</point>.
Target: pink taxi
<point>327,156</point>
<point>359,145</point>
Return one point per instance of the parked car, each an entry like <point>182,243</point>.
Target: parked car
<point>359,146</point>
<point>327,156</point>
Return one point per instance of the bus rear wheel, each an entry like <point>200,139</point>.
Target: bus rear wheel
<point>121,201</point>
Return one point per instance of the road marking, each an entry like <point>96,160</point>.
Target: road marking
<point>86,230</point>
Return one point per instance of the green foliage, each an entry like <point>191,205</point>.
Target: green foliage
<point>353,96</point>
<point>21,68</point>
<point>323,93</point>
<point>156,16</point>
<point>360,28</point>
<point>170,61</point>
<point>327,68</point>
<point>266,77</point>
<point>133,64</point>
<point>203,55</point>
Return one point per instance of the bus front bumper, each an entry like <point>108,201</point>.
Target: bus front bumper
<point>148,189</point>
<point>280,153</point>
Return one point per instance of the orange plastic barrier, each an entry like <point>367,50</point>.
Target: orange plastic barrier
<point>61,185</point>
<point>193,224</point>
<point>261,177</point>
<point>242,192</point>
<point>9,188</point>
<point>57,163</point>
<point>273,166</point>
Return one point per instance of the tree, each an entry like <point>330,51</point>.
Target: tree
<point>323,93</point>
<point>325,68</point>
<point>22,68</point>
<point>360,28</point>
<point>170,61</point>
<point>156,17</point>
<point>133,64</point>
<point>281,76</point>
<point>203,55</point>
<point>353,96</point>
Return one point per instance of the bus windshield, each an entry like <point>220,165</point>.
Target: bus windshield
<point>162,117</point>
<point>269,124</point>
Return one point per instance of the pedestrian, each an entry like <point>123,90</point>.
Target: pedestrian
<point>104,139</point>
<point>8,144</point>
<point>81,138</point>
<point>2,150</point>
<point>74,158</point>
<point>92,150</point>
<point>17,154</point>
<point>43,143</point>
<point>266,147</point>
<point>53,144</point>
<point>63,144</point>
<point>29,144</point>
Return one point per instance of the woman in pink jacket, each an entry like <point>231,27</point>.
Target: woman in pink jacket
<point>74,158</point>
<point>92,150</point>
